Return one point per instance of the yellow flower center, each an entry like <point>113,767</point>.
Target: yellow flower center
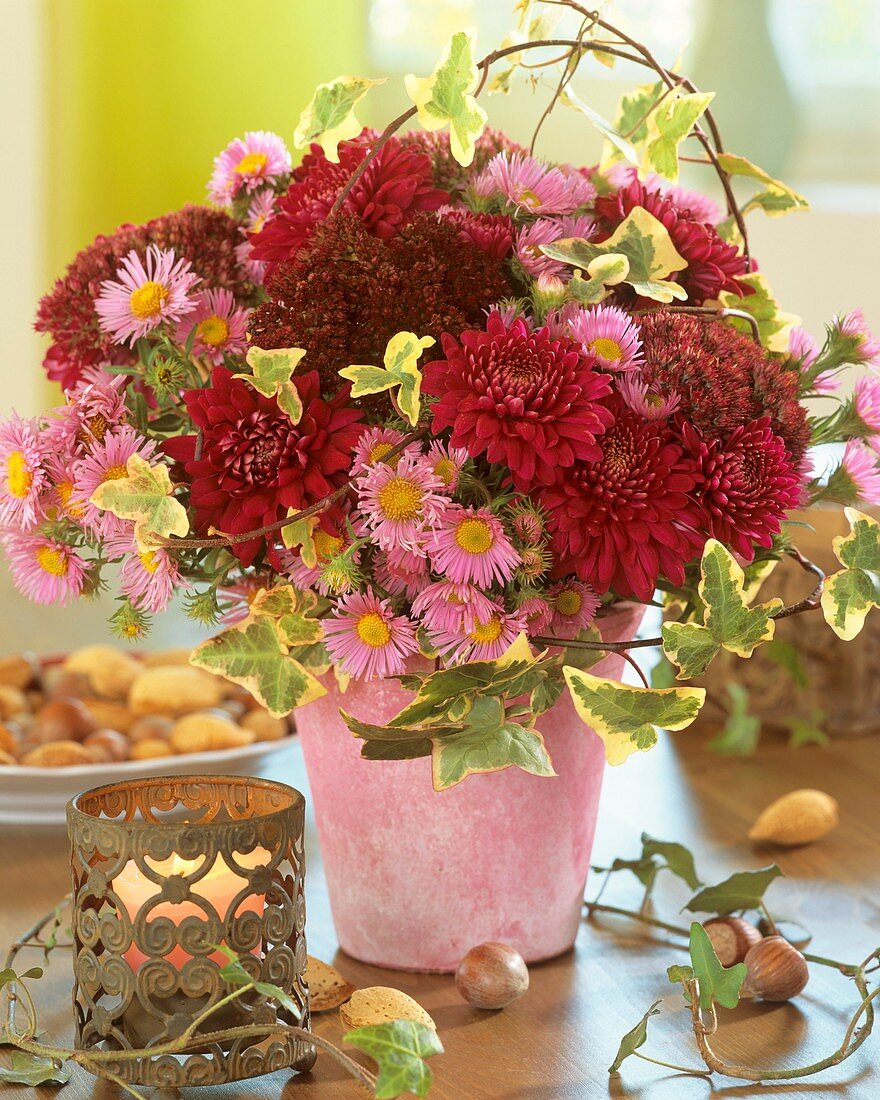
<point>474,536</point>
<point>569,602</point>
<point>98,427</point>
<point>18,475</point>
<point>608,349</point>
<point>655,400</point>
<point>373,630</point>
<point>149,560</point>
<point>251,163</point>
<point>327,546</point>
<point>131,630</point>
<point>148,300</point>
<point>446,470</point>
<point>114,473</point>
<point>400,499</point>
<point>65,492</point>
<point>529,199</point>
<point>213,331</point>
<point>488,632</point>
<point>51,561</point>
<point>378,451</point>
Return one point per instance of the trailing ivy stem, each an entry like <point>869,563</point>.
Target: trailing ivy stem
<point>594,907</point>
<point>768,917</point>
<point>696,1070</point>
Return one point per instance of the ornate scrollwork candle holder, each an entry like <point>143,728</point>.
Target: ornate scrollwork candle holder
<point>166,871</point>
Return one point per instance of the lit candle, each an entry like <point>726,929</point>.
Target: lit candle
<point>219,887</point>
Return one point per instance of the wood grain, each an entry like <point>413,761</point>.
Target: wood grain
<point>557,1041</point>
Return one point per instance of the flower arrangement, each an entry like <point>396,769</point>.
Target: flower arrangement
<point>427,407</point>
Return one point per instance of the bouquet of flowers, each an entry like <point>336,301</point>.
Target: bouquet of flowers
<point>427,407</point>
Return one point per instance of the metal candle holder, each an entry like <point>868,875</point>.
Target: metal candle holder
<point>165,870</point>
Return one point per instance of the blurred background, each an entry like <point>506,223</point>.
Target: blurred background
<point>114,109</point>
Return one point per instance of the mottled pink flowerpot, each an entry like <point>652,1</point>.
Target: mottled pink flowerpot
<point>417,877</point>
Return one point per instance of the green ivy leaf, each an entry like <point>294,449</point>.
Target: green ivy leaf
<point>728,621</point>
<point>680,973</point>
<point>807,731</point>
<point>774,325</point>
<point>631,121</point>
<point>717,983</point>
<point>273,377</point>
<point>301,533</point>
<point>851,593</point>
<point>777,198</point>
<point>445,97</point>
<point>621,145</point>
<point>786,656</point>
<point>678,858</point>
<point>144,496</point>
<point>400,371</point>
<point>739,737</point>
<point>625,717</point>
<point>34,1070</point>
<point>329,117</point>
<point>743,890</point>
<point>667,127</point>
<point>634,1039</point>
<point>399,1049</point>
<point>603,272</point>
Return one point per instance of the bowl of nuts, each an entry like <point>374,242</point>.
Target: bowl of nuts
<point>100,714</point>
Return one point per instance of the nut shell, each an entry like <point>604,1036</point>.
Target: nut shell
<point>208,732</point>
<point>492,975</point>
<point>58,754</point>
<point>379,1004</point>
<point>9,740</point>
<point>174,690</point>
<point>62,720</point>
<point>799,817</point>
<point>732,938</point>
<point>151,727</point>
<point>13,701</point>
<point>151,748</point>
<point>19,671</point>
<point>113,679</point>
<point>109,746</point>
<point>775,971</point>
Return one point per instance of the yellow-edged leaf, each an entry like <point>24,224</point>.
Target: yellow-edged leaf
<point>273,377</point>
<point>329,117</point>
<point>400,371</point>
<point>145,496</point>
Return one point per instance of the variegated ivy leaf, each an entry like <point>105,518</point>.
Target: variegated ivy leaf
<point>777,198</point>
<point>145,496</point>
<point>647,246</point>
<point>604,271</point>
<point>400,371</point>
<point>624,147</point>
<point>329,118</point>
<point>667,127</point>
<point>253,654</point>
<point>631,121</point>
<point>529,29</point>
<point>272,377</point>
<point>292,612</point>
<point>625,717</point>
<point>851,593</point>
<point>445,97</point>
<point>774,325</point>
<point>728,621</point>
<point>301,533</point>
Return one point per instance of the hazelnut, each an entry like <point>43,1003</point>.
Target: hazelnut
<point>775,971</point>
<point>152,727</point>
<point>108,746</point>
<point>19,671</point>
<point>57,754</point>
<point>62,720</point>
<point>492,975</point>
<point>265,726</point>
<point>731,937</point>
<point>150,749</point>
<point>13,701</point>
<point>58,681</point>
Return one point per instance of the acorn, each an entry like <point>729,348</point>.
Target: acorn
<point>492,975</point>
<point>775,971</point>
<point>732,938</point>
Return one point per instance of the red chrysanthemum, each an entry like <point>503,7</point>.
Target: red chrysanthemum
<point>713,264</point>
<point>724,379</point>
<point>207,238</point>
<point>746,484</point>
<point>350,292</point>
<point>448,173</point>
<point>629,517</point>
<point>395,185</point>
<point>254,463</point>
<point>520,398</point>
<point>493,233</point>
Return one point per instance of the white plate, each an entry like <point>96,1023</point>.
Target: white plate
<point>39,796</point>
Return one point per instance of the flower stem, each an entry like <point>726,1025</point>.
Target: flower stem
<point>594,907</point>
<point>671,1065</point>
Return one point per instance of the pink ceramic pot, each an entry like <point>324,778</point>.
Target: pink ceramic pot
<point>417,877</point>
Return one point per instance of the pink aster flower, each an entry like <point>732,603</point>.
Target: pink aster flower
<point>487,638</point>
<point>106,461</point>
<point>401,572</point>
<point>510,310</point>
<point>866,346</point>
<point>400,502</point>
<point>328,545</point>
<point>262,208</point>
<point>697,206</point>
<point>802,347</point>
<point>248,163</point>
<point>45,570</point>
<point>574,608</point>
<point>147,577</point>
<point>533,186</point>
<point>375,443</point>
<point>60,498</point>
<point>446,463</point>
<point>365,637</point>
<point>609,334</point>
<point>645,401</point>
<point>444,606</point>
<point>144,294</point>
<point>866,401</point>
<point>860,465</point>
<point>537,613</point>
<point>220,326</point>
<point>470,545</point>
<point>532,236</point>
<point>22,473</point>
<point>254,270</point>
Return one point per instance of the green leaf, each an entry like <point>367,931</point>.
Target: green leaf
<point>787,656</point>
<point>444,98</point>
<point>399,1049</point>
<point>774,325</point>
<point>743,890</point>
<point>625,717</point>
<point>301,533</point>
<point>634,1039</point>
<point>663,673</point>
<point>643,241</point>
<point>739,737</point>
<point>252,654</point>
<point>329,117</point>
<point>604,271</point>
<point>144,496</point>
<point>717,983</point>
<point>631,121</point>
<point>622,146</point>
<point>728,621</point>
<point>680,973</point>
<point>34,1070</point>
<point>851,593</point>
<point>807,731</point>
<point>777,198</point>
<point>400,371</point>
<point>667,126</point>
<point>678,859</point>
<point>272,377</point>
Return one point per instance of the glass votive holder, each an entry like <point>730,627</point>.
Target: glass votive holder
<point>166,872</point>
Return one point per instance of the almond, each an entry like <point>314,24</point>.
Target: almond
<point>174,689</point>
<point>327,987</point>
<point>799,817</point>
<point>379,1004</point>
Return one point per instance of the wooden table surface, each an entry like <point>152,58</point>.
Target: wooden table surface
<point>557,1041</point>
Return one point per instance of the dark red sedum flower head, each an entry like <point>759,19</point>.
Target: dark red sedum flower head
<point>746,484</point>
<point>626,518</point>
<point>255,464</point>
<point>519,398</point>
<point>396,184</point>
